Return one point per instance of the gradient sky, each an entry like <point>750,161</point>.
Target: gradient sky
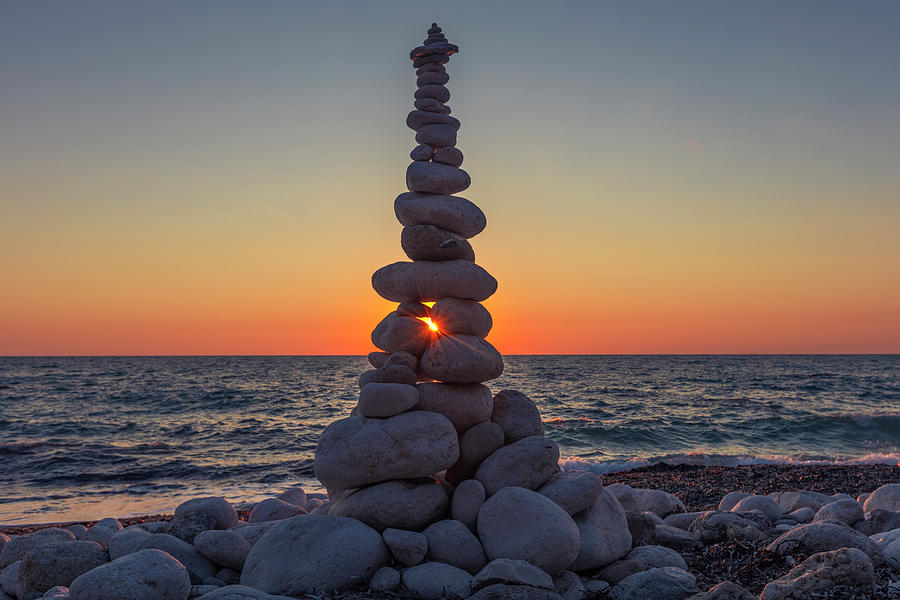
<point>214,177</point>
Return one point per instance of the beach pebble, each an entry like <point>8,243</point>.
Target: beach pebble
<point>574,491</point>
<point>642,527</point>
<point>791,501</point>
<point>466,502</point>
<point>569,586</point>
<point>199,567</point>
<point>727,590</point>
<point>239,592</point>
<point>78,529</point>
<point>366,377</point>
<point>665,583</point>
<point>434,77</point>
<point>436,580</point>
<point>823,537</point>
<point>144,575</point>
<point>418,119</point>
<point>453,315</point>
<point>803,515</point>
<point>657,556</point>
<point>451,542</point>
<point>878,521</point>
<point>407,547</point>
<point>463,405</point>
<point>186,527</point>
<point>356,451</point>
<point>422,152</point>
<point>517,415</point>
<point>511,572</point>
<point>887,497</point>
<point>729,500</point>
<point>448,155</point>
<point>596,586</point>
<point>604,533</point>
<point>386,399</point>
<point>252,531</point>
<point>398,333</point>
<point>427,242</point>
<point>437,135</point>
<point>500,591</point>
<point>126,541</point>
<point>618,570</point>
<point>889,544</point>
<point>395,373</point>
<point>823,572</point>
<point>521,524</point>
<point>225,548</point>
<point>764,504</point>
<point>625,495</point>
<point>438,92</point>
<point>447,212</point>
<point>845,510</point>
<point>48,566</point>
<point>436,178</point>
<point>9,578</point>
<point>684,520</point>
<point>102,531</point>
<point>713,527</point>
<point>395,504</point>
<point>459,358</point>
<point>314,553</point>
<point>677,539</point>
<point>430,104</point>
<point>657,501</point>
<point>477,443</point>
<point>386,579</point>
<point>429,281</point>
<point>527,463</point>
<point>218,508</point>
<point>229,576</point>
<point>294,495</point>
<point>17,547</point>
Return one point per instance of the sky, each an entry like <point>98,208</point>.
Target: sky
<point>217,177</point>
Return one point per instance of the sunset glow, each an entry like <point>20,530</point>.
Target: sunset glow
<point>431,324</point>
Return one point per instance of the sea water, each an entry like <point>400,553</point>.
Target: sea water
<point>85,438</point>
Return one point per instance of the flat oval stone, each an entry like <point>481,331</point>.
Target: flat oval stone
<point>438,135</point>
<point>432,105</point>
<point>604,533</point>
<point>432,77</point>
<point>422,152</point>
<point>397,333</point>
<point>461,358</point>
<point>435,178</point>
<point>448,155</point>
<point>380,400</point>
<point>463,405</point>
<point>528,463</point>
<point>438,92</point>
<point>138,576</point>
<point>427,242</point>
<point>427,281</point>
<point>357,451</point>
<point>453,315</point>
<point>395,504</point>
<point>414,309</point>
<point>430,68</point>
<point>419,118</point>
<point>447,212</point>
<point>517,415</point>
<point>441,59</point>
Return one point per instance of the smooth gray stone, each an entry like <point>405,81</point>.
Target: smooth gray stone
<point>199,567</point>
<point>395,505</point>
<point>453,315</point>
<point>314,553</point>
<point>431,58</point>
<point>295,495</point>
<point>253,531</point>
<point>381,400</point>
<point>239,592</point>
<point>464,405</point>
<point>386,579</point>
<point>886,497</point>
<point>684,520</point>
<point>574,491</point>
<point>144,575</point>
<point>17,547</point>
<point>225,548</point>
<point>727,590</point>
<point>459,358</point>
<point>102,531</point>
<point>430,104</point>
<point>447,212</point>
<point>357,451</point>
<point>48,566</point>
<point>844,568</point>
<point>126,541</point>
<point>429,281</point>
<point>729,500</point>
<point>657,556</point>
<point>427,242</point>
<point>408,547</point>
<point>877,521</point>
<point>848,511</point>
<point>476,444</point>
<point>433,580</point>
<point>678,539</point>
<point>413,309</point>
<point>512,572</point>
<point>273,509</point>
<point>438,92</point>
<point>435,178</point>
<point>451,542</point>
<point>517,415</point>
<point>764,504</point>
<point>822,537</point>
<point>420,118</point>
<point>657,502</point>
<point>397,333</point>
<point>527,463</point>
<point>604,533</point>
<point>186,527</point>
<point>395,373</point>
<point>501,591</point>
<point>430,68</point>
<point>666,583</point>
<point>432,77</point>
<point>422,152</point>
<point>9,578</point>
<point>466,502</point>
<point>437,136</point>
<point>448,155</point>
<point>76,528</point>
<point>216,507</point>
<point>642,527</point>
<point>366,377</point>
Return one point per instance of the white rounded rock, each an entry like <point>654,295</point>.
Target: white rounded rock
<point>294,495</point>
<point>103,531</point>
<point>447,212</point>
<point>887,497</point>
<point>846,510</point>
<point>527,463</point>
<point>225,548</point>
<point>273,509</point>
<point>604,534</point>
<point>574,491</point>
<point>459,358</point>
<point>408,547</point>
<point>381,400</point>
<point>657,556</point>
<point>823,537</point>
<point>452,315</point>
<point>437,135</point>
<point>51,565</point>
<point>437,580</point>
<point>429,281</point>
<point>144,575</point>
<point>386,579</point>
<point>126,541</point>
<point>466,502</point>
<point>658,502</point>
<point>464,405</point>
<point>730,499</point>
<point>217,508</point>
<point>764,504</point>
<point>428,242</point>
<point>436,178</point>
<point>399,333</point>
<point>17,547</point>
<point>451,542</point>
<point>394,504</point>
<point>199,567</point>
<point>512,572</point>
<point>517,415</point>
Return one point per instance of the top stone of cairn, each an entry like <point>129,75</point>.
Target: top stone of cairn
<point>435,47</point>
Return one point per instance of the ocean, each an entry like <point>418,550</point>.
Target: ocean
<point>84,438</point>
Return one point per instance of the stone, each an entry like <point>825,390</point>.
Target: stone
<point>411,309</point>
<point>574,491</point>
<point>418,119</point>
<point>394,373</point>
<point>408,548</point>
<point>511,572</point>
<point>437,135</point>
<point>500,591</point>
<point>447,212</point>
<point>78,529</point>
<point>59,592</point>
<point>453,315</point>
<point>253,531</point>
<point>225,548</point>
<point>438,92</point>
<point>478,442</point>
<point>395,504</point>
<point>459,358</point>
<point>520,524</point>
<point>199,567</point>
<point>436,580</point>
<point>144,575</point>
<point>887,497</point>
<point>618,570</point>
<point>426,68</point>
<point>430,104</point>
<point>791,501</point>
<point>405,359</point>
<point>427,242</point>
<point>847,569</point>
<point>386,399</point>
<point>429,281</point>
<point>326,554</point>
<point>385,579</point>
<point>273,509</point>
<point>684,520</point>
<point>672,537</point>
<point>666,583</point>
<point>764,504</point>
<point>889,544</point>
<point>642,528</point>
<point>657,556</point>
<point>17,547</point>
<point>239,592</point>
<point>463,405</point>
<point>228,576</point>
<point>527,463</point>
<point>293,495</point>
<point>432,77</point>
<point>44,567</point>
<point>448,155</point>
<point>726,590</point>
<point>847,511</point>
<point>823,537</point>
<point>396,333</point>
<point>102,531</point>
<point>874,522</point>
<point>516,415</point>
<point>436,178</point>
<point>126,541</point>
<point>186,527</point>
<point>357,451</point>
<point>803,515</point>
<point>9,578</point>
<point>451,542</point>
<point>569,586</point>
<point>713,527</point>
<point>366,377</point>
<point>604,533</point>
<point>657,501</point>
<point>217,508</point>
<point>625,495</point>
<point>730,499</point>
<point>422,151</point>
<point>466,502</point>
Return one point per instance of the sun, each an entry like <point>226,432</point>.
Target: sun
<point>431,324</point>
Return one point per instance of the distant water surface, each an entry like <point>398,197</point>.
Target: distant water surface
<point>91,437</point>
